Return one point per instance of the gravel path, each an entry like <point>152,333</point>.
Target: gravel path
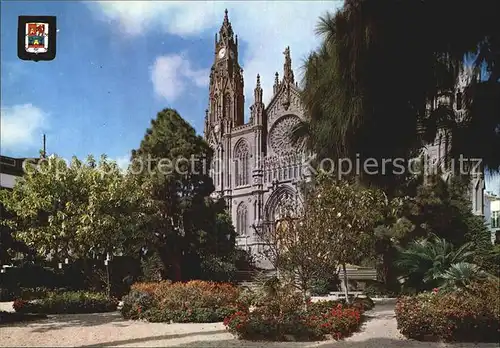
<point>109,330</point>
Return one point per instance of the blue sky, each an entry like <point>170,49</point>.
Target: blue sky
<point>119,63</point>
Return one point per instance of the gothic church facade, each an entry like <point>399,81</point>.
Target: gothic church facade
<point>255,166</point>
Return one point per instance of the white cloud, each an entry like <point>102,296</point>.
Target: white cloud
<point>21,127</point>
<point>265,28</point>
<point>171,76</point>
<point>122,161</point>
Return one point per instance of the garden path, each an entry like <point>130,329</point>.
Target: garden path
<point>109,330</point>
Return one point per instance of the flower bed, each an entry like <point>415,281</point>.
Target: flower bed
<point>466,316</point>
<point>67,303</point>
<point>321,320</point>
<point>194,302</point>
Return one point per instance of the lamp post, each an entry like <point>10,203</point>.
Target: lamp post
<point>106,263</point>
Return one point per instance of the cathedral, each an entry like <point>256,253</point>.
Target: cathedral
<point>256,166</point>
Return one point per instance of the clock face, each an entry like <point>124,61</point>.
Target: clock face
<point>216,128</point>
<point>222,52</point>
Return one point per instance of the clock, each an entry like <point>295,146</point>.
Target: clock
<point>222,52</point>
<point>216,128</point>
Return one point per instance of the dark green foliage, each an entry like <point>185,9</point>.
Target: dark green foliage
<point>433,208</point>
<point>68,303</point>
<point>424,262</point>
<point>152,267</point>
<point>196,315</point>
<point>352,115</point>
<point>324,286</point>
<point>186,229</point>
<point>376,288</point>
<point>15,279</point>
<point>9,244</point>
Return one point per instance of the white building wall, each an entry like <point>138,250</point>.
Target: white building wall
<point>7,180</point>
<point>492,208</point>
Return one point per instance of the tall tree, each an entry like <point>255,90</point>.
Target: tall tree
<point>369,85</point>
<point>72,209</point>
<point>349,214</point>
<point>172,164</point>
<point>298,246</point>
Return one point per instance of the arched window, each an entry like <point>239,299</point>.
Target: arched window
<point>241,220</point>
<point>242,164</point>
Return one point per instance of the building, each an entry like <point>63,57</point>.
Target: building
<point>10,169</point>
<point>492,215</point>
<point>256,166</point>
<point>255,163</point>
<point>436,153</point>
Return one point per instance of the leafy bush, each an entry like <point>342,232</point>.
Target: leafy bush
<point>376,289</point>
<point>324,286</point>
<point>194,301</point>
<point>317,322</point>
<point>468,316</point>
<point>67,303</point>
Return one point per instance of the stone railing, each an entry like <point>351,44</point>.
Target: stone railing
<point>287,167</point>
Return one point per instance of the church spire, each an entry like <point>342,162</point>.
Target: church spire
<point>226,31</point>
<point>258,91</point>
<point>287,68</point>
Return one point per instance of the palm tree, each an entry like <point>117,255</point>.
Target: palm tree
<point>427,262</point>
<point>367,90</point>
<point>462,275</point>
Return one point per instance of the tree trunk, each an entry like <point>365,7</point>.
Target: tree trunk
<point>346,286</point>
<point>304,288</point>
<point>172,263</point>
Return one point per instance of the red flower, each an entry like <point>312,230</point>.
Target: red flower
<point>435,290</point>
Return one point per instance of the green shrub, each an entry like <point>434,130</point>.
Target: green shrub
<point>67,303</point>
<point>194,302</point>
<point>373,289</point>
<point>319,321</point>
<point>323,286</point>
<point>467,316</point>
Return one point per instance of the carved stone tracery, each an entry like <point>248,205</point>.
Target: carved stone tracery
<point>280,135</point>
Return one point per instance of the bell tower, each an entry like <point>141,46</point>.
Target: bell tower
<point>226,96</point>
<point>226,104</point>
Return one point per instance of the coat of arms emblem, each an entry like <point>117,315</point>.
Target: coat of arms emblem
<point>37,37</point>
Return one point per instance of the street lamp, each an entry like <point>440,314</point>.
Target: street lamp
<point>106,263</point>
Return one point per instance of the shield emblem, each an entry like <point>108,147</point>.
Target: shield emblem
<point>37,38</point>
